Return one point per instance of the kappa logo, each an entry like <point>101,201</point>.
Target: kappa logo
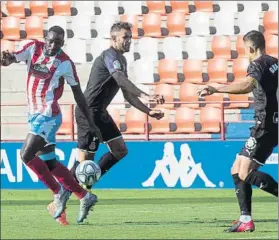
<point>56,63</point>
<point>172,170</point>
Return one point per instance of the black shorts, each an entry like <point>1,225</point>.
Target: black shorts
<point>86,140</point>
<point>261,143</point>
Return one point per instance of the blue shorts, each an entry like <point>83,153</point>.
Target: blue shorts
<point>46,127</point>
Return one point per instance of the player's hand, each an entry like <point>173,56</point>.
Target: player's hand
<point>158,114</point>
<point>159,99</point>
<point>6,58</point>
<point>209,90</point>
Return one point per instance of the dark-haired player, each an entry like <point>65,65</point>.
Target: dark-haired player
<point>108,75</point>
<point>262,80</point>
<point>48,67</point>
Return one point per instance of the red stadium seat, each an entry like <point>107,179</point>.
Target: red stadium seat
<point>62,8</point>
<point>16,8</point>
<point>176,24</point>
<point>167,70</point>
<point>39,8</point>
<point>192,70</point>
<point>11,28</point>
<point>152,25</point>
<point>270,21</point>
<point>240,47</point>
<point>160,126</point>
<point>221,47</point>
<point>271,45</point>
<point>133,19</point>
<point>135,121</point>
<point>66,127</point>
<point>185,120</point>
<point>34,27</point>
<point>204,6</point>
<point>180,6</point>
<point>239,69</point>
<point>238,97</point>
<point>210,119</point>
<point>189,93</point>
<point>156,7</point>
<point>217,70</point>
<point>7,45</point>
<point>167,91</point>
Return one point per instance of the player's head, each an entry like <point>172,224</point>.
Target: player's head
<point>121,36</point>
<point>254,44</point>
<point>54,40</point>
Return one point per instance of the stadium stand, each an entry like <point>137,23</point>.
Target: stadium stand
<point>39,8</point>
<point>178,47</point>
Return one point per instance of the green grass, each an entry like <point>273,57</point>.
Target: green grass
<point>138,214</point>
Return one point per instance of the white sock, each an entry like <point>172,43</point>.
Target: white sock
<point>245,218</point>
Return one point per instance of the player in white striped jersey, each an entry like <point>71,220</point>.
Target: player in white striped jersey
<point>47,69</point>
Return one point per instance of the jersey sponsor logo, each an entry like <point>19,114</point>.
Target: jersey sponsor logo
<point>172,170</point>
<point>40,71</point>
<point>116,64</point>
<point>273,68</point>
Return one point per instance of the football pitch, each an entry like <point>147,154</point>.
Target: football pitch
<point>138,214</point>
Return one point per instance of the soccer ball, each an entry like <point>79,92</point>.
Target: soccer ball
<point>88,172</point>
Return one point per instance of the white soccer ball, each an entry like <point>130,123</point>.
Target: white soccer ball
<point>88,172</point>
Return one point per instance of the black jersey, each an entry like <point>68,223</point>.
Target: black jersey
<point>101,87</point>
<point>265,71</point>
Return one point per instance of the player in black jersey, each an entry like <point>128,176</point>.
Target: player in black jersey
<point>108,75</point>
<point>262,80</point>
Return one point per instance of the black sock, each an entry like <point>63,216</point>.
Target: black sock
<point>73,169</point>
<point>263,181</point>
<point>244,195</point>
<point>106,162</point>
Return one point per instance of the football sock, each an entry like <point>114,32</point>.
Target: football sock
<point>73,169</point>
<point>263,181</point>
<point>63,175</point>
<point>245,218</point>
<point>106,162</point>
<point>43,173</point>
<point>243,192</point>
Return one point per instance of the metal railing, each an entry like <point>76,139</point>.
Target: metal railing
<point>72,133</point>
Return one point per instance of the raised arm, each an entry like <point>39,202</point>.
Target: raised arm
<point>8,58</point>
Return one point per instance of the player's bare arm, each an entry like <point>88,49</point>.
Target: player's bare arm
<point>82,104</point>
<point>135,101</point>
<point>126,85</point>
<point>236,88</point>
<point>7,58</point>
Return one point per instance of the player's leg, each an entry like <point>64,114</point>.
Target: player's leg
<point>87,142</point>
<point>252,156</point>
<point>243,190</point>
<point>251,175</point>
<point>47,128</point>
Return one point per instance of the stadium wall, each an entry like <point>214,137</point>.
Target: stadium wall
<point>176,165</point>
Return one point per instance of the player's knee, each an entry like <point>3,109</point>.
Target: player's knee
<point>26,154</point>
<point>243,174</point>
<point>120,153</point>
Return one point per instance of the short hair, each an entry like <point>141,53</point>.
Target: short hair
<point>57,29</point>
<point>116,27</point>
<point>256,38</point>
